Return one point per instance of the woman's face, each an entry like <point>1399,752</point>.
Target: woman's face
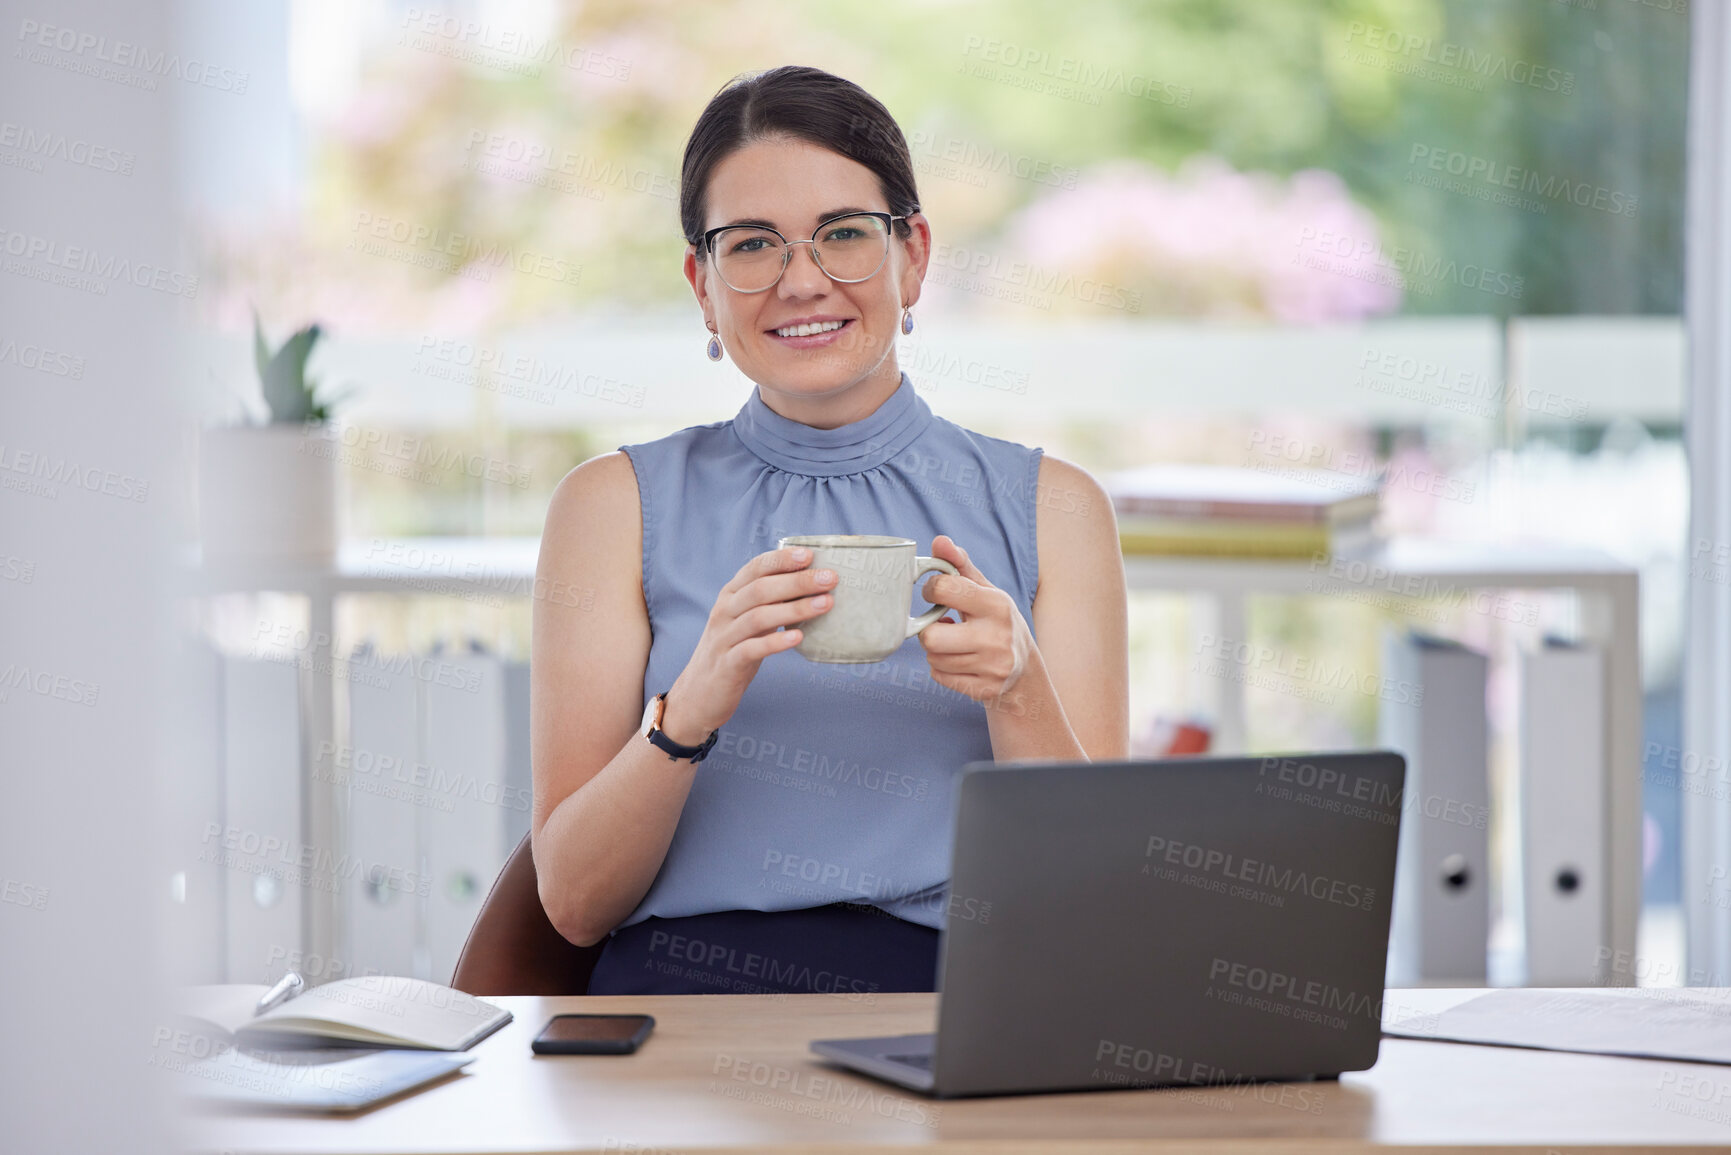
<point>792,185</point>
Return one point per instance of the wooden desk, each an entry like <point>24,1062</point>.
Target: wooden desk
<point>732,1073</point>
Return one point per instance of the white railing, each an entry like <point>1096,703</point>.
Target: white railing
<point>652,369</point>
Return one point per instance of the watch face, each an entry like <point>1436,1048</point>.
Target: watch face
<point>648,718</point>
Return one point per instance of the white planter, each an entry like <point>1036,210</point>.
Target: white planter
<point>269,493</point>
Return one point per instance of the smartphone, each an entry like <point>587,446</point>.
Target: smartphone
<point>592,1034</point>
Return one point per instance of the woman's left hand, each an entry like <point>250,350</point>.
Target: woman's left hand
<point>984,654</point>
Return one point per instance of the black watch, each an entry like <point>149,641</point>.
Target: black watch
<point>652,730</point>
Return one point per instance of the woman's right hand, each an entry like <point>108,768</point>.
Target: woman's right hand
<point>774,589</point>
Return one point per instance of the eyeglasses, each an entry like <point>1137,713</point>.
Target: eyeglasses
<point>849,249</point>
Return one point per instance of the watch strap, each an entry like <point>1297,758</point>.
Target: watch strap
<point>675,750</point>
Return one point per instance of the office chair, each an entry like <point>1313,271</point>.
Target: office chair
<point>513,948</point>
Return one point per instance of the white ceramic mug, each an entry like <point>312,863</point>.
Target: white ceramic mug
<point>867,620</point>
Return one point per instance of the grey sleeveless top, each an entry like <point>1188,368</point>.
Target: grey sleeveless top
<point>830,783</point>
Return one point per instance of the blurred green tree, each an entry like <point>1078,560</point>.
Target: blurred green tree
<point>563,145</point>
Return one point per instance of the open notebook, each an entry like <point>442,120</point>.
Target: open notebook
<point>382,1010</point>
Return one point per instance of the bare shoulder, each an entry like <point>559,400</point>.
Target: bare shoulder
<point>595,496</point>
<point>1075,526</point>
<point>594,521</point>
<point>605,483</point>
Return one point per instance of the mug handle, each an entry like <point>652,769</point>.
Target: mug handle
<point>923,566</point>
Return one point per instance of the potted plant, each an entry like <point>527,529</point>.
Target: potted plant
<point>268,491</point>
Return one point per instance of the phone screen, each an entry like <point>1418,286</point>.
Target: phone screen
<point>593,1028</point>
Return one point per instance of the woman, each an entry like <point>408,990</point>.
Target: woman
<point>787,825</point>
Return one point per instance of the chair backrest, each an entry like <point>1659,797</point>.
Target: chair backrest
<point>513,948</point>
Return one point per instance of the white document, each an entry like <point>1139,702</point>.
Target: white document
<point>1691,1023</point>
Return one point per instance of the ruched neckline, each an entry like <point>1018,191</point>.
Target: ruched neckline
<point>851,448</point>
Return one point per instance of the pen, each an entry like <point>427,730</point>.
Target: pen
<point>287,987</point>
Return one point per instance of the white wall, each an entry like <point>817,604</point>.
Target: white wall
<point>89,730</point>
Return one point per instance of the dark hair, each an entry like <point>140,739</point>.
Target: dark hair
<point>807,104</point>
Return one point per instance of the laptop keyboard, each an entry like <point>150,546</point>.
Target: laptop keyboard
<point>921,1061</point>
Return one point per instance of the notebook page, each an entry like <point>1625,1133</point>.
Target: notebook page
<point>227,1005</point>
<point>388,1008</point>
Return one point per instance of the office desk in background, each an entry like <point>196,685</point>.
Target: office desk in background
<point>1608,593</point>
<point>733,1073</point>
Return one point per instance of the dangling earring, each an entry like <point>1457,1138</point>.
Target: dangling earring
<point>714,345</point>
<point>907,321</point>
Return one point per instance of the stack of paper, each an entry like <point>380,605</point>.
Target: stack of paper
<point>1691,1023</point>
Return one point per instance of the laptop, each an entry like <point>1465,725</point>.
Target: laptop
<point>1147,923</point>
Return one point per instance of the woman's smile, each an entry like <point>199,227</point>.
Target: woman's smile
<point>810,332</point>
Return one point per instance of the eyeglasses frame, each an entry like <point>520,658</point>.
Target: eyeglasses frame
<point>889,219</point>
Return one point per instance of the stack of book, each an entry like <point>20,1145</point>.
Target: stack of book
<point>1219,511</point>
